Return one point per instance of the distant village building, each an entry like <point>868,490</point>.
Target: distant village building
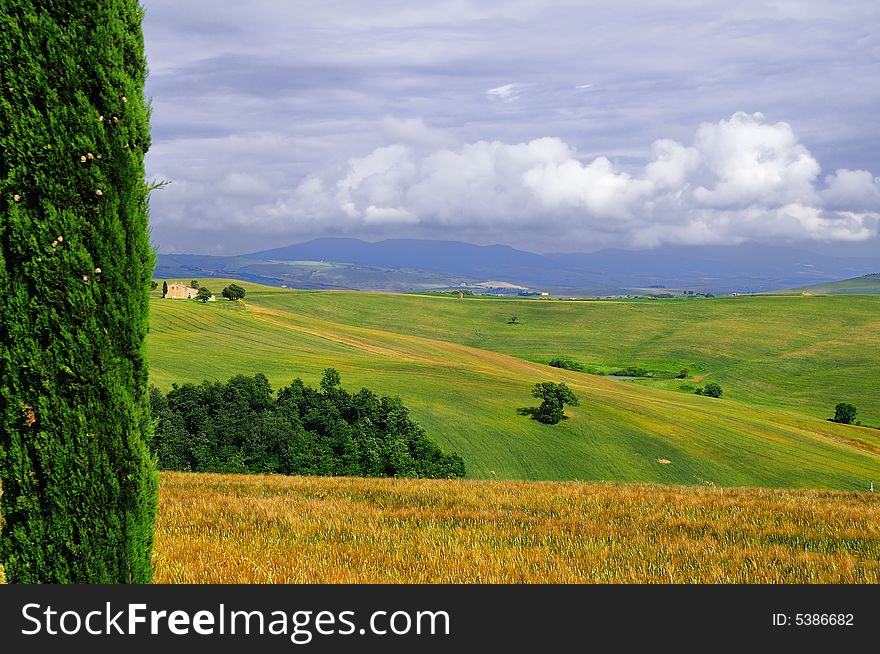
<point>178,291</point>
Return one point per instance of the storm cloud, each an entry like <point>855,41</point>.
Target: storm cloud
<point>543,126</point>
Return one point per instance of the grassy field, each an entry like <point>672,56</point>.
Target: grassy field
<point>807,353</point>
<point>783,362</point>
<point>864,285</point>
<point>274,529</point>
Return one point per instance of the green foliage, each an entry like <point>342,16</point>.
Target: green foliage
<point>844,413</point>
<point>710,390</point>
<point>79,489</point>
<point>194,284</point>
<point>553,396</point>
<point>164,289</point>
<point>234,292</point>
<point>513,320</point>
<point>203,295</point>
<point>239,427</point>
<point>631,371</point>
<point>569,364</point>
<point>154,285</point>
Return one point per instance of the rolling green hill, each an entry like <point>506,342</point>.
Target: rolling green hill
<point>864,285</point>
<point>464,372</point>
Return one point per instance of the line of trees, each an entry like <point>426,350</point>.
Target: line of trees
<point>238,426</point>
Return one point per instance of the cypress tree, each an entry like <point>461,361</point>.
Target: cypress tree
<point>79,486</point>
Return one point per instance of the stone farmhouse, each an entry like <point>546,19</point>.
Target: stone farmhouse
<point>177,291</point>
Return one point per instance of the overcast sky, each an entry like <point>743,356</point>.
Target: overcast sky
<point>542,125</point>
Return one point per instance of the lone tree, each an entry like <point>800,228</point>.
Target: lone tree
<point>845,413</point>
<point>203,295</point>
<point>553,397</point>
<point>710,390</point>
<point>233,292</point>
<point>164,289</point>
<point>79,488</point>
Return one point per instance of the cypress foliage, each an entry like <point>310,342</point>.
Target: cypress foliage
<point>79,487</point>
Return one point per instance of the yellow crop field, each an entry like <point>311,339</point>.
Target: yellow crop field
<point>274,529</point>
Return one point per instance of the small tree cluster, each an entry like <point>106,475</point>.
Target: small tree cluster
<point>844,413</point>
<point>238,426</point>
<point>553,397</point>
<point>203,295</point>
<point>233,292</point>
<point>710,390</point>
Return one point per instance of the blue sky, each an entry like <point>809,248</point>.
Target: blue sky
<point>546,126</point>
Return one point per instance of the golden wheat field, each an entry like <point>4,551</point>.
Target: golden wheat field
<point>274,529</point>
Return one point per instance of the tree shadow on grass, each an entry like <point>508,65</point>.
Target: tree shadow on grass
<point>532,412</point>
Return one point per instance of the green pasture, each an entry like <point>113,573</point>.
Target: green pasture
<point>804,353</point>
<point>864,285</point>
<point>464,372</point>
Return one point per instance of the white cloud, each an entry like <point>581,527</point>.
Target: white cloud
<point>507,92</point>
<point>414,132</point>
<point>754,162</point>
<point>741,179</point>
<point>852,189</point>
<point>264,89</point>
<point>671,164</point>
<point>595,188</point>
<point>388,215</point>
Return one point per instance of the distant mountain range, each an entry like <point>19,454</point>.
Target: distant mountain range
<point>412,265</point>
